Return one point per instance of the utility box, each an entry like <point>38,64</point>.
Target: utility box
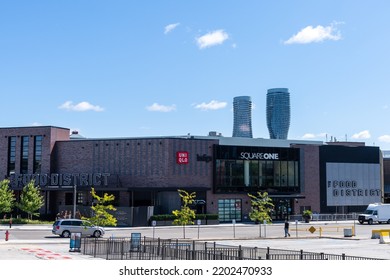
<point>347,232</point>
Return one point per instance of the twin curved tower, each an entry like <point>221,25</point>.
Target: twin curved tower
<point>277,113</point>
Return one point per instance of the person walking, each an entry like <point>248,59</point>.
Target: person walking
<point>286,228</point>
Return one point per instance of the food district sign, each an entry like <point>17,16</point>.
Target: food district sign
<point>353,184</point>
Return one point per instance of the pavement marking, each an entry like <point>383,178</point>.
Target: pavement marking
<point>46,254</point>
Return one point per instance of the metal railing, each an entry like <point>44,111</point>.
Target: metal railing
<point>326,217</point>
<point>175,249</point>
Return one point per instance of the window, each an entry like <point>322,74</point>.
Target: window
<point>24,159</point>
<point>77,223</point>
<point>229,210</point>
<point>256,175</point>
<point>37,154</point>
<point>11,154</point>
<point>69,198</point>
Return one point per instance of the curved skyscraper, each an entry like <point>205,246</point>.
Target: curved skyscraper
<point>278,112</point>
<point>242,123</point>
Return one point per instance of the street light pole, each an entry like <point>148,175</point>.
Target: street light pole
<point>74,200</point>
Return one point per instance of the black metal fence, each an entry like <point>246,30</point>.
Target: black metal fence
<point>175,249</point>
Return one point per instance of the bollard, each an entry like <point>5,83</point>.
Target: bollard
<point>6,235</point>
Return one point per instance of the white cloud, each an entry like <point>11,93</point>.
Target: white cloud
<point>311,34</point>
<point>212,105</point>
<point>80,107</point>
<point>365,134</point>
<point>314,136</point>
<point>212,39</point>
<point>155,107</point>
<point>170,27</point>
<point>309,136</point>
<point>384,138</point>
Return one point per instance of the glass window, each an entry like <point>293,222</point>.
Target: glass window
<point>270,175</point>
<point>277,173</point>
<point>296,177</point>
<point>24,160</point>
<point>11,154</point>
<point>291,173</point>
<point>284,173</point>
<point>77,223</point>
<point>37,154</point>
<point>229,210</point>
<point>238,173</point>
<point>254,173</point>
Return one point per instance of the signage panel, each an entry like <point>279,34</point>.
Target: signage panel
<point>350,184</point>
<point>182,157</point>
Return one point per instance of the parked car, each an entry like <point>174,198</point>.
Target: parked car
<point>65,227</point>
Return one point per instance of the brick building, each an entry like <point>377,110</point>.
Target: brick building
<point>145,173</point>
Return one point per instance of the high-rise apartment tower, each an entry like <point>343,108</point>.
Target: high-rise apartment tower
<point>278,113</point>
<point>242,123</point>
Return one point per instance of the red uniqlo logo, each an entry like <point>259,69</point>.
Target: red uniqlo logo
<point>182,157</point>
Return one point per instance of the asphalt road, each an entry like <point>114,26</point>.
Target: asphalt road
<point>326,237</point>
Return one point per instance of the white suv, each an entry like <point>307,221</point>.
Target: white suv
<point>65,227</point>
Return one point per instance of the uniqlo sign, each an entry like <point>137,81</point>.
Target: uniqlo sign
<point>182,157</point>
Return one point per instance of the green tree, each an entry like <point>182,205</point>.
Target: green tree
<point>101,209</point>
<point>261,207</point>
<point>185,215</point>
<point>7,197</point>
<point>31,200</point>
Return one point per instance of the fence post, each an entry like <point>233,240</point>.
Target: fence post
<point>193,250</point>
<point>94,249</point>
<point>108,247</point>
<point>239,252</point>
<point>163,252</point>
<point>158,246</point>
<point>177,249</point>
<point>255,256</point>
<point>122,249</point>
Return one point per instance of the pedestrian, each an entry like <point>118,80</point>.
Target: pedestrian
<point>10,222</point>
<point>286,228</point>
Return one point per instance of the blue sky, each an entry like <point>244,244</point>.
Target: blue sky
<point>164,68</point>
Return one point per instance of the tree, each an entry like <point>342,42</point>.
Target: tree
<point>7,197</point>
<point>101,215</point>
<point>261,207</point>
<point>31,200</point>
<point>185,215</point>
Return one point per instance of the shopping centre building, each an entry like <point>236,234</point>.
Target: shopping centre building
<point>145,173</point>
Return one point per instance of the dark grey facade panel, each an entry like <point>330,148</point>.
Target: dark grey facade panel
<point>347,155</point>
